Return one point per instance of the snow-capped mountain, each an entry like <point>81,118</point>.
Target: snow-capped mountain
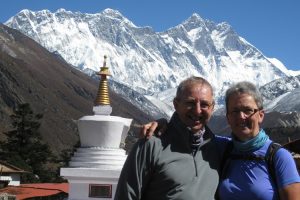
<point>282,95</point>
<point>151,63</point>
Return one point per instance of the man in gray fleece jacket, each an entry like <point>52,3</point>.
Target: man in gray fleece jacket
<point>183,163</point>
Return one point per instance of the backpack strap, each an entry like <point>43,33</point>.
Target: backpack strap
<point>269,158</point>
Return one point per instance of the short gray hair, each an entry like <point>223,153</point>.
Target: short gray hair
<point>190,81</point>
<point>245,87</point>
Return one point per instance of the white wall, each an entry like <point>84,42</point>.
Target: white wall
<point>14,179</point>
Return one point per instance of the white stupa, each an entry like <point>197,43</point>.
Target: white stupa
<point>95,168</point>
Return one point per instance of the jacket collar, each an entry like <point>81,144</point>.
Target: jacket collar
<point>182,128</point>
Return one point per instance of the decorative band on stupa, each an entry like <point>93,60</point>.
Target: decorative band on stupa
<point>102,101</point>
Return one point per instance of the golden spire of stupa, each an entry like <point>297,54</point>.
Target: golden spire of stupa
<point>102,97</point>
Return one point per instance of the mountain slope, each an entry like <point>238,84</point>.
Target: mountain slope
<point>29,73</point>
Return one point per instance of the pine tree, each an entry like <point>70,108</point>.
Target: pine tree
<point>23,147</point>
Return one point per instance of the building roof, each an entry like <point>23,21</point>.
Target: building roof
<point>25,191</point>
<point>8,168</point>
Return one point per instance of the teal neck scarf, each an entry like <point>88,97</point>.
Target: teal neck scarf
<point>251,145</point>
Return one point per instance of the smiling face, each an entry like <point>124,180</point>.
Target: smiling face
<point>194,106</point>
<point>243,116</point>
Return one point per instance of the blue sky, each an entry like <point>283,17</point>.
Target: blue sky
<point>270,25</point>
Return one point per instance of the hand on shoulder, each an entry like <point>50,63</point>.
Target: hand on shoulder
<point>156,128</point>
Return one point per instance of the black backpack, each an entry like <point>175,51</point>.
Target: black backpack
<point>269,158</point>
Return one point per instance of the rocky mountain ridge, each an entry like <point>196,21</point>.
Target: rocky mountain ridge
<point>146,61</point>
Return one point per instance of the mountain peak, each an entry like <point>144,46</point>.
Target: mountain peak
<point>116,15</point>
<point>196,16</point>
<point>193,22</point>
<point>25,11</point>
<point>112,12</point>
<point>62,10</point>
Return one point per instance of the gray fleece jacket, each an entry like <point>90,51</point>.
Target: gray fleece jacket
<point>165,168</point>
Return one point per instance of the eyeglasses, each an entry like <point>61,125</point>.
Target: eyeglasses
<point>191,104</point>
<point>247,112</point>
